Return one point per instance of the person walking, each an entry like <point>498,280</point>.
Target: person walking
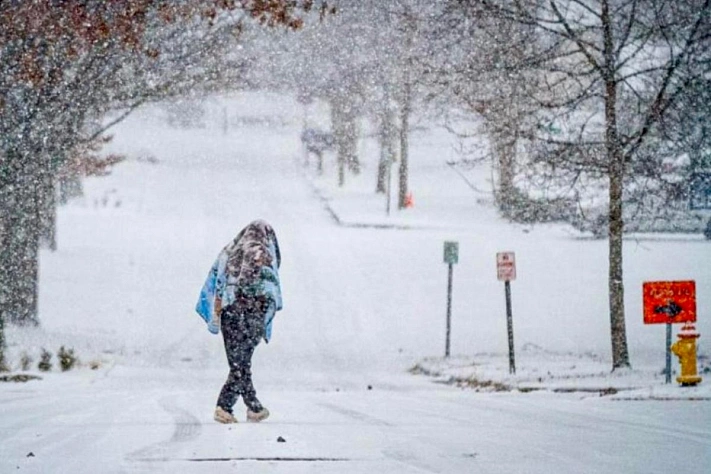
<point>240,298</point>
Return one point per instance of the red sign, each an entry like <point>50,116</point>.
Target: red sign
<point>669,301</point>
<point>506,266</point>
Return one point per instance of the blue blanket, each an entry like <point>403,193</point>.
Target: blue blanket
<point>214,285</point>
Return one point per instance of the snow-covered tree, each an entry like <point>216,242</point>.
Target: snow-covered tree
<point>327,60</point>
<point>62,64</point>
<point>478,70</point>
<point>362,60</point>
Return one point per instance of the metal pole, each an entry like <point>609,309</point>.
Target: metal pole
<point>449,311</point>
<point>509,325</point>
<point>667,370</point>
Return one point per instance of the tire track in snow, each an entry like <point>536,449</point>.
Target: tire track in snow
<point>187,427</point>
<point>356,415</point>
<point>405,456</point>
<point>409,460</point>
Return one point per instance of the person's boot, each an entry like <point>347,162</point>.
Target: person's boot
<point>256,417</point>
<point>223,416</point>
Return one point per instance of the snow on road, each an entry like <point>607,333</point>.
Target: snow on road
<point>362,305</point>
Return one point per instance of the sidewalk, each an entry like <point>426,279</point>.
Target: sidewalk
<point>580,375</point>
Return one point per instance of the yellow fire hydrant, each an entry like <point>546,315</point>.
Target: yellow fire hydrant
<point>685,350</point>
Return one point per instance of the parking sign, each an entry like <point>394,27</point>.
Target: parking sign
<point>506,266</point>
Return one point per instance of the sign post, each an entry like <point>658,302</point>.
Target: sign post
<point>668,302</point>
<point>667,359</point>
<point>506,271</point>
<point>451,256</point>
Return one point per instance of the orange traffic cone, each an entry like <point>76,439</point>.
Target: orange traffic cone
<point>409,201</point>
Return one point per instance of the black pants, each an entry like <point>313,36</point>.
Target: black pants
<point>242,329</point>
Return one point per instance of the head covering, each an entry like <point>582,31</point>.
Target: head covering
<point>254,247</point>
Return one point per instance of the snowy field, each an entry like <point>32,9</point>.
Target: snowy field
<point>354,375</point>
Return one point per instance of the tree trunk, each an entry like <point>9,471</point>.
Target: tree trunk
<point>19,253</point>
<point>404,144</point>
<point>47,208</point>
<point>620,356</point>
<point>351,139</point>
<point>344,123</point>
<point>4,232</point>
<point>337,126</point>
<point>3,363</point>
<point>319,162</point>
<point>383,163</point>
<point>387,150</point>
<point>19,258</point>
<point>70,186</point>
<point>3,213</point>
<point>506,158</point>
<point>615,157</point>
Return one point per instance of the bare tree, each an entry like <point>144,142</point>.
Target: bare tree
<point>614,71</point>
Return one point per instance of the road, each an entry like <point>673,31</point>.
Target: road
<point>408,427</point>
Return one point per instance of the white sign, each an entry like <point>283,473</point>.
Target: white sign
<point>506,266</point>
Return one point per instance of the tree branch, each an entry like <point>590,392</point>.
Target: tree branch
<point>657,108</point>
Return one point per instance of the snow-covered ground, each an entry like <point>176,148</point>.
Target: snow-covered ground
<point>364,304</point>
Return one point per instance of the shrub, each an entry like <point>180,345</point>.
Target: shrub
<point>67,359</point>
<point>45,363</point>
<point>25,361</point>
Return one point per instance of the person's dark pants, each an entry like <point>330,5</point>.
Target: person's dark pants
<point>242,329</point>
